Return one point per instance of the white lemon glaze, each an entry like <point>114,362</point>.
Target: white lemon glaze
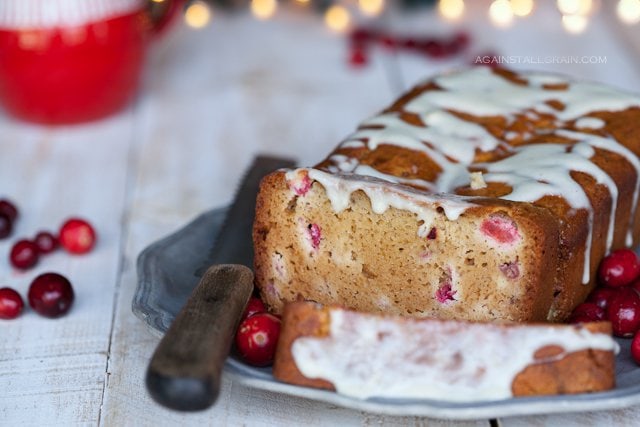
<point>532,171</point>
<point>367,356</point>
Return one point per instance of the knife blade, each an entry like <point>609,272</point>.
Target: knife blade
<point>233,244</point>
<point>185,370</point>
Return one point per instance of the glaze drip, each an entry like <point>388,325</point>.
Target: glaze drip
<point>533,171</point>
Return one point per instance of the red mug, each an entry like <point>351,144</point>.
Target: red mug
<point>72,61</point>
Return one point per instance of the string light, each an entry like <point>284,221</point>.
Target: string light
<point>575,7</point>
<point>629,11</point>
<point>337,18</point>
<point>574,24</point>
<point>501,13</point>
<point>451,9</point>
<point>263,9</point>
<point>371,7</point>
<point>521,7</point>
<point>197,14</point>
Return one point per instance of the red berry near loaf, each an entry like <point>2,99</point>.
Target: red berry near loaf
<point>635,348</point>
<point>619,268</point>
<point>257,337</point>
<point>254,306</point>
<point>624,313</point>
<point>77,236</point>
<point>601,296</point>
<point>589,310</point>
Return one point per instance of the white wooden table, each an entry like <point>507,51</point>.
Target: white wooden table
<point>212,99</point>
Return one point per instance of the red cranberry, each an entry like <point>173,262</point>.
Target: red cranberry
<point>358,58</point>
<point>590,310</point>
<point>51,295</point>
<point>635,348</point>
<point>6,226</point>
<point>601,296</point>
<point>433,234</point>
<point>361,36</point>
<point>409,43</point>
<point>302,186</point>
<point>11,304</point>
<point>636,286</point>
<point>445,293</point>
<point>257,337</point>
<point>434,49</point>
<point>9,209</point>
<point>46,242</point>
<point>77,236</point>
<point>254,306</point>
<point>24,254</point>
<point>619,268</point>
<point>389,42</point>
<point>315,234</point>
<point>501,229</point>
<point>461,39</point>
<point>511,270</point>
<point>624,313</point>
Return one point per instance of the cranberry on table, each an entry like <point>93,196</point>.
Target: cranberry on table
<point>254,306</point>
<point>6,226</point>
<point>77,236</point>
<point>358,57</point>
<point>257,337</point>
<point>11,304</point>
<point>624,313</point>
<point>635,348</point>
<point>24,254</point>
<point>362,35</point>
<point>9,209</point>
<point>46,242</point>
<point>51,295</point>
<point>619,268</point>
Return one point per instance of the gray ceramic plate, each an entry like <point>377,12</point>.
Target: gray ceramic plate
<point>166,277</point>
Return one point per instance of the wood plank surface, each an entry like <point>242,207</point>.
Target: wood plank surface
<point>56,367</point>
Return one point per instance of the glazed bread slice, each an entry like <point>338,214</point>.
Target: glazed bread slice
<point>372,355</point>
<point>478,195</point>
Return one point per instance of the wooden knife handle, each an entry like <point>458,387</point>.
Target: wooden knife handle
<point>185,370</point>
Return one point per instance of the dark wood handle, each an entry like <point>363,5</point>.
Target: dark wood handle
<point>184,372</point>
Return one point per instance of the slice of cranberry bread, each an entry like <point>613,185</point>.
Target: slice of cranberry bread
<point>371,355</point>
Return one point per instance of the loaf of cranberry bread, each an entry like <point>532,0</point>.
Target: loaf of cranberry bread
<point>372,355</point>
<point>481,195</point>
